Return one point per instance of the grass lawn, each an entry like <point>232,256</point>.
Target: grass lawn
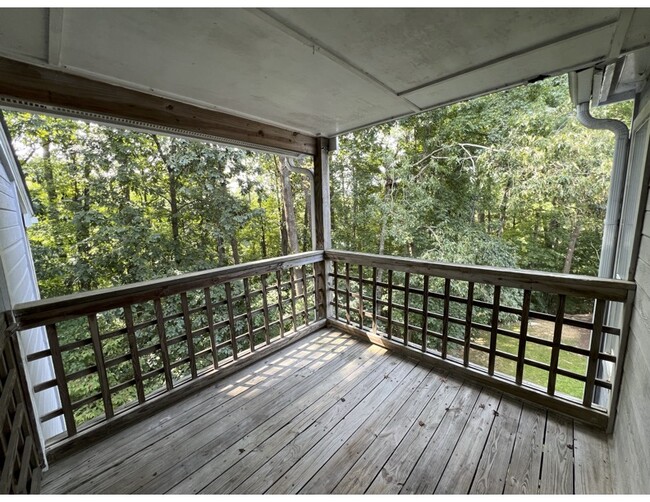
<point>540,329</point>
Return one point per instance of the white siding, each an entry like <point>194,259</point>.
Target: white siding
<point>630,441</point>
<point>20,280</point>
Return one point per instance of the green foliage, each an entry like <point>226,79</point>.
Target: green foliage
<point>504,180</point>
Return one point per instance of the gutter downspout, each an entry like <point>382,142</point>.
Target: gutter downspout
<point>612,223</point>
<point>616,186</point>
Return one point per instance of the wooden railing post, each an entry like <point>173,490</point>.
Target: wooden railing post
<point>323,224</point>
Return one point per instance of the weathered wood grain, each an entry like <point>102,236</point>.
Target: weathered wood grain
<point>351,425</point>
<point>276,467</point>
<point>459,472</point>
<point>259,375</point>
<point>400,404</point>
<point>577,285</point>
<point>38,313</point>
<point>401,385</point>
<point>304,430</point>
<point>286,424</point>
<point>56,89</point>
<point>557,464</point>
<point>441,429</point>
<point>592,464</point>
<point>490,477</point>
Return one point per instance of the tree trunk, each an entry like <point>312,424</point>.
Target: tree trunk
<point>234,245</point>
<point>50,188</point>
<point>287,203</point>
<point>504,207</point>
<point>573,240</point>
<point>306,233</point>
<point>263,227</point>
<point>221,251</point>
<point>174,217</point>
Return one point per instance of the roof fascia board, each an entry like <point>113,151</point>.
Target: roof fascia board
<point>36,88</point>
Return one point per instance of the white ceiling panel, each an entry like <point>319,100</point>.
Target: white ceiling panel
<point>24,33</point>
<point>225,58</point>
<point>405,48</point>
<point>319,71</point>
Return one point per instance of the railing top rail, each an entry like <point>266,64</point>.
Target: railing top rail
<point>38,313</point>
<point>577,285</point>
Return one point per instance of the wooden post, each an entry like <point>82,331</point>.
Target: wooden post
<point>323,224</point>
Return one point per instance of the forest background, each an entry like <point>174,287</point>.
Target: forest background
<point>510,179</point>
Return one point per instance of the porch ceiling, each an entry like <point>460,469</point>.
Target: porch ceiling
<point>319,71</point>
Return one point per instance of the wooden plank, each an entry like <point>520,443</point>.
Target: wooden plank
<point>407,280</point>
<point>592,464</point>
<point>336,290</point>
<point>38,313</point>
<point>566,284</point>
<point>588,415</point>
<point>493,331</point>
<point>133,347</point>
<point>293,452</point>
<point>425,312</point>
<point>557,467</point>
<point>360,279</point>
<point>162,337</point>
<point>265,309</point>
<point>490,477</point>
<point>209,313</point>
<point>322,226</point>
<point>523,472</point>
<point>555,348</point>
<point>278,279</point>
<point>249,316</point>
<point>7,393</point>
<point>302,431</point>
<point>304,294</point>
<point>25,467</point>
<point>594,349</point>
<point>187,323</point>
<point>6,476</point>
<point>232,464</point>
<point>445,319</point>
<point>323,216</point>
<point>348,293</point>
<point>260,375</point>
<point>54,90</point>
<point>190,448</point>
<point>407,402</point>
<point>59,374</point>
<point>387,403</point>
<point>374,300</point>
<point>101,368</point>
<point>231,320</point>
<point>292,287</point>
<point>389,323</point>
<point>523,333</point>
<point>37,477</point>
<point>459,472</point>
<point>427,447</point>
<point>468,323</point>
<point>163,401</point>
<point>408,432</point>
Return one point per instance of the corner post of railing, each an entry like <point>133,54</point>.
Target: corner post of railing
<point>323,226</point>
<point>620,360</point>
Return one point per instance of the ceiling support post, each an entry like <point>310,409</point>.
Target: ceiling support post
<point>323,224</point>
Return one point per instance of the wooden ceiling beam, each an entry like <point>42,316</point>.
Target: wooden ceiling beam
<point>31,87</point>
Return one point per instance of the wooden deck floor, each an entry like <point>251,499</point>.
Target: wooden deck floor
<point>331,414</point>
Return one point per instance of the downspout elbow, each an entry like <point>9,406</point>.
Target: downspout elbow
<point>616,188</point>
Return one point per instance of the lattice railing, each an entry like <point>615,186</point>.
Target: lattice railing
<point>482,321</point>
<point>118,349</point>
